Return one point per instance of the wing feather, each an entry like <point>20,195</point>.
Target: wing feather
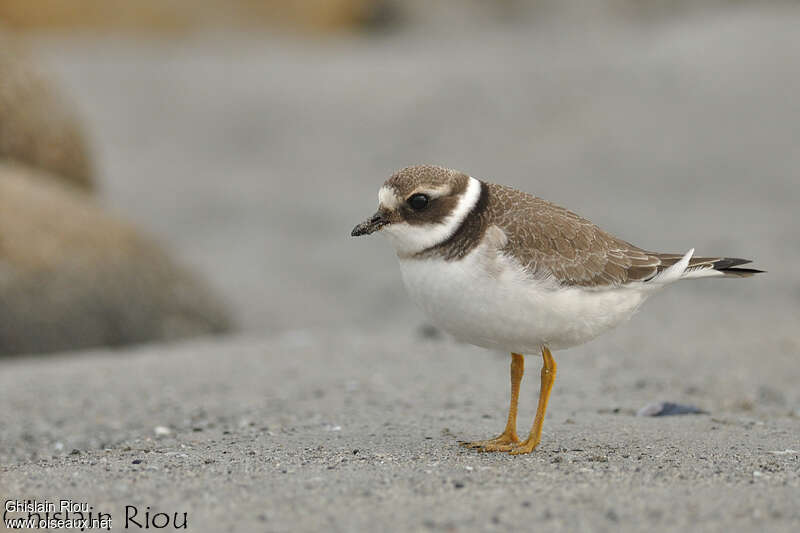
<point>551,241</point>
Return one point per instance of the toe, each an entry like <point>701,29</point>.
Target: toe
<point>496,447</point>
<point>478,444</point>
<point>522,449</point>
<point>503,443</point>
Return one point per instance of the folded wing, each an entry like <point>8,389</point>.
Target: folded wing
<point>553,242</point>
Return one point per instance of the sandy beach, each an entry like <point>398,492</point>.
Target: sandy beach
<point>335,406</point>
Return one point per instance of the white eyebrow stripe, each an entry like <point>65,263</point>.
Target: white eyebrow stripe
<point>387,197</point>
<point>436,192</point>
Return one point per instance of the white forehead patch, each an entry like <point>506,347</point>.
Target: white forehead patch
<point>387,198</point>
<point>410,239</point>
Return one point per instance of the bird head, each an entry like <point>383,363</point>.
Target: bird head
<point>421,206</point>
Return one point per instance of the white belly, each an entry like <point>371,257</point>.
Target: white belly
<point>488,300</point>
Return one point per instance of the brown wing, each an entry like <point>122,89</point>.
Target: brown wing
<point>550,240</point>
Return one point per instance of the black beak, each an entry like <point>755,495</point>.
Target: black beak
<point>371,225</point>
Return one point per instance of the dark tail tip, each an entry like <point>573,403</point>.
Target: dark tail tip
<point>727,266</point>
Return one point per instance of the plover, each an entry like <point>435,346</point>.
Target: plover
<point>503,269</point>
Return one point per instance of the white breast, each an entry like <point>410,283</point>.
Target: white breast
<point>487,299</point>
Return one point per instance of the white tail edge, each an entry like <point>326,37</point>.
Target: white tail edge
<point>675,272</point>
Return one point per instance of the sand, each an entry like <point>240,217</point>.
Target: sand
<point>335,408</point>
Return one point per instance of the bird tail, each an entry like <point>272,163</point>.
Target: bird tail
<point>705,267</point>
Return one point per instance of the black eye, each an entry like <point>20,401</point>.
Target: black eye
<point>418,202</point>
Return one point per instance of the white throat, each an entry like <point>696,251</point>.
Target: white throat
<point>410,239</point>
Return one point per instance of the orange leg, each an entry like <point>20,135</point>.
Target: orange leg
<point>548,377</point>
<point>508,439</point>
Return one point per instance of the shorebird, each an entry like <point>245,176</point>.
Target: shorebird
<point>503,269</point>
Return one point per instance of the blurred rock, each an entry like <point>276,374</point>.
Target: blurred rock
<point>72,276</point>
<point>429,332</point>
<point>669,409</point>
<point>37,126</point>
<point>183,15</point>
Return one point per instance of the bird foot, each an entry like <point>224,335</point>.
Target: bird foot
<point>524,447</point>
<point>504,443</point>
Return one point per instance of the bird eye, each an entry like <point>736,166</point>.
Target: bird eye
<point>418,202</point>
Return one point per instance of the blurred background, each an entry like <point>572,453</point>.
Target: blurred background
<point>170,169</point>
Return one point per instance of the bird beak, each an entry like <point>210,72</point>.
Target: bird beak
<point>371,225</point>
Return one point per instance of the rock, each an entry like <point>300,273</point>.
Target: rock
<point>429,332</point>
<point>669,409</point>
<point>182,15</point>
<point>72,276</point>
<point>37,124</point>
